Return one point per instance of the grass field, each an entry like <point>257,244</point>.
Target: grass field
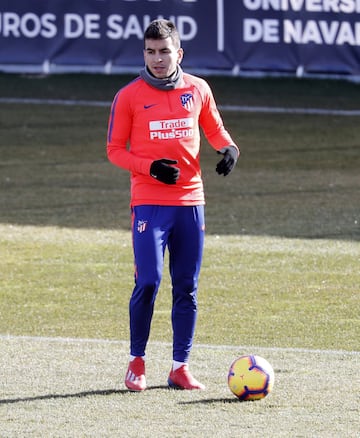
<point>280,276</point>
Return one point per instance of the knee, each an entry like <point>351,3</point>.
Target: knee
<point>186,291</point>
<point>145,292</point>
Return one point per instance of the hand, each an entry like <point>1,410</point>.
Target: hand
<point>164,172</point>
<point>226,165</point>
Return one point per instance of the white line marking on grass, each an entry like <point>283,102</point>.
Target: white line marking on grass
<point>233,108</point>
<point>168,344</point>
<point>66,102</point>
<point>282,110</point>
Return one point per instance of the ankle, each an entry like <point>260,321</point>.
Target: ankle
<point>131,358</point>
<point>176,365</point>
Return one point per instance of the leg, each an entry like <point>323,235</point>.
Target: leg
<point>149,245</point>
<point>186,244</point>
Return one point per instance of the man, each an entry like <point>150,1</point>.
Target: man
<point>154,133</point>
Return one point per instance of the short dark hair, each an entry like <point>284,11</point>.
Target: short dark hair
<point>160,30</point>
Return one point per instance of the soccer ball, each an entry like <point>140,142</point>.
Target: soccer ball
<point>251,377</point>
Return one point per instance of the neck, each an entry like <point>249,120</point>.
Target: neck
<point>165,84</point>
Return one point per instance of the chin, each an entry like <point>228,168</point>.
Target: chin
<point>159,74</point>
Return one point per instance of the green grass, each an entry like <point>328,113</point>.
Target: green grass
<point>262,291</point>
<point>280,271</point>
<point>286,92</point>
<point>55,172</point>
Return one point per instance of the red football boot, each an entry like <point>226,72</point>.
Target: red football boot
<point>182,379</point>
<point>135,375</point>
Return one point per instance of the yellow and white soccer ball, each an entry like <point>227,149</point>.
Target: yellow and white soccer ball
<point>251,377</point>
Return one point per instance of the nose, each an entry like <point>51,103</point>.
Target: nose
<point>158,56</point>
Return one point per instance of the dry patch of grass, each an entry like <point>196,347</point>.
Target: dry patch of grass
<point>75,388</point>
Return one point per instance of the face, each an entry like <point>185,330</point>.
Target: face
<point>162,57</point>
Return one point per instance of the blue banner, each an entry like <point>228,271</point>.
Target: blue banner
<point>314,36</point>
<point>218,36</point>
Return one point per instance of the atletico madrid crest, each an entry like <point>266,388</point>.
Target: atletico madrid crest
<point>187,101</point>
<point>141,226</point>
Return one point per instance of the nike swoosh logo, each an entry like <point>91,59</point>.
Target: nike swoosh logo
<point>149,106</point>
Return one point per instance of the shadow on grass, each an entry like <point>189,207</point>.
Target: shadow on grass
<point>297,177</point>
<point>209,401</point>
<point>82,394</point>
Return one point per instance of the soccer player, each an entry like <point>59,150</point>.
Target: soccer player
<point>154,133</point>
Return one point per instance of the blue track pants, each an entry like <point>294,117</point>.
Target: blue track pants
<point>181,229</point>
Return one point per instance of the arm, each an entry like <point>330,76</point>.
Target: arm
<point>119,132</point>
<point>217,135</point>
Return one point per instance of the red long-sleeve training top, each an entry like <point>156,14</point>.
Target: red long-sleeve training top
<point>148,124</point>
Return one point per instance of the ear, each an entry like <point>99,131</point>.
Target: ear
<point>180,53</point>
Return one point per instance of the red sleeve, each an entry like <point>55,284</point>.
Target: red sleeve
<point>212,123</point>
<point>119,132</point>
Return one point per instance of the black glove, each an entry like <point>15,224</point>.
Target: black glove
<point>226,165</point>
<point>162,171</point>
